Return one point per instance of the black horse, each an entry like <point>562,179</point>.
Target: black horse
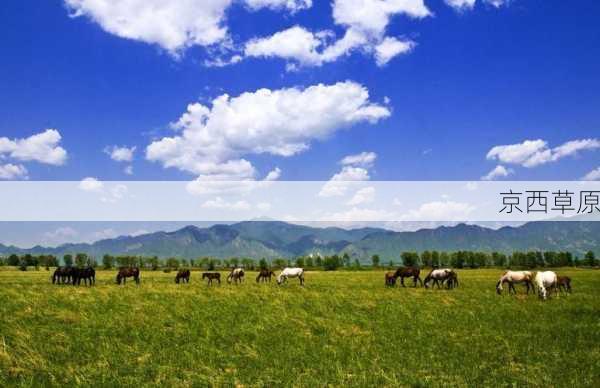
<point>211,276</point>
<point>128,272</point>
<point>264,275</point>
<point>182,275</point>
<point>62,275</point>
<point>88,275</point>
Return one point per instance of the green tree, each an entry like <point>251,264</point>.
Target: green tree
<point>590,258</point>
<point>68,260</point>
<point>108,261</point>
<point>375,260</point>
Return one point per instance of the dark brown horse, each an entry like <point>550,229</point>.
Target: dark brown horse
<point>182,275</point>
<point>409,272</point>
<point>88,275</point>
<point>62,275</point>
<point>211,276</point>
<point>128,272</point>
<point>390,279</point>
<point>264,275</point>
<point>564,283</point>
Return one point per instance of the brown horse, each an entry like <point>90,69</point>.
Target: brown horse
<point>62,275</point>
<point>128,272</point>
<point>211,276</point>
<point>88,275</point>
<point>264,275</point>
<point>409,272</point>
<point>564,283</point>
<point>182,274</point>
<point>390,279</point>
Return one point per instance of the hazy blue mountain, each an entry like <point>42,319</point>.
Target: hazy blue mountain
<point>272,239</point>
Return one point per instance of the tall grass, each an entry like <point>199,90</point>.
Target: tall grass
<point>343,328</point>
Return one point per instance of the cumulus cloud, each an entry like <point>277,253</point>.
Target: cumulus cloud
<point>91,184</point>
<point>273,175</point>
<point>42,147</point>
<point>172,25</point>
<point>498,172</point>
<point>389,48</point>
<point>365,159</point>
<point>60,235</point>
<point>593,175</point>
<point>365,23</point>
<point>531,153</point>
<point>497,3</point>
<point>13,171</point>
<point>120,154</point>
<point>291,5</point>
<point>355,168</point>
<point>461,5</point>
<point>283,122</point>
<point>362,196</point>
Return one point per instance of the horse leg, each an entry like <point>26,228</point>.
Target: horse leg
<point>402,281</point>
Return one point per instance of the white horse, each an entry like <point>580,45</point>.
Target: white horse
<point>236,274</point>
<point>545,280</point>
<point>291,273</point>
<point>512,277</point>
<point>438,276</point>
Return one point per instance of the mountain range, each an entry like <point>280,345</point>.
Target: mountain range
<point>271,239</point>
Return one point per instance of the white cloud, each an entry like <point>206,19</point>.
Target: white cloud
<point>172,25</point>
<point>440,211</point>
<point>365,23</point>
<point>373,16</point>
<point>13,171</point>
<point>497,3</point>
<point>104,234</point>
<point>42,147</point>
<point>273,175</point>
<point>91,184</point>
<point>533,153</point>
<point>120,154</point>
<point>498,172</point>
<point>128,170</point>
<point>461,5</point>
<point>593,175</point>
<point>359,215</point>
<point>390,47</point>
<point>291,5</point>
<point>364,159</point>
<point>362,196</point>
<point>337,185</point>
<point>264,206</point>
<point>279,122</point>
<point>220,203</point>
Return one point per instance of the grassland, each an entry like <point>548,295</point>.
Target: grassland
<point>343,328</point>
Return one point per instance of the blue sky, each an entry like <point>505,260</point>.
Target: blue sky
<point>475,78</point>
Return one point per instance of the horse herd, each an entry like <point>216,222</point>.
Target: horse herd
<point>74,275</point>
<point>543,281</point>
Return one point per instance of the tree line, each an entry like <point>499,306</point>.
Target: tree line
<point>457,259</point>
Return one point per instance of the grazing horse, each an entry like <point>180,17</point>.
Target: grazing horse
<point>128,272</point>
<point>545,280</point>
<point>210,276</point>
<point>512,277</point>
<point>182,274</point>
<point>564,283</point>
<point>452,280</point>
<point>439,276</point>
<point>390,279</point>
<point>236,274</point>
<point>409,272</point>
<point>264,275</point>
<point>87,274</point>
<point>62,275</point>
<point>291,273</point>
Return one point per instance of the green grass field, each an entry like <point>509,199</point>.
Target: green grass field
<point>343,328</point>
